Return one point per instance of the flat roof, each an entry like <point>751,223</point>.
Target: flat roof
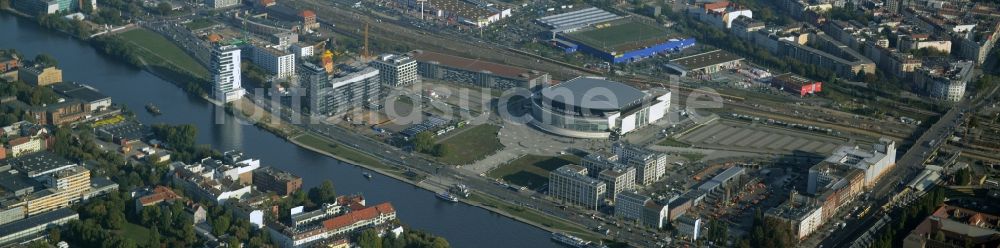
<point>475,65</point>
<point>78,91</point>
<point>462,8</point>
<point>705,59</point>
<point>594,93</point>
<point>578,18</point>
<point>40,163</point>
<point>11,181</point>
<point>37,220</point>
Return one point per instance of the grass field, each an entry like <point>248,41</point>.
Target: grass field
<point>532,171</point>
<point>156,49</point>
<point>628,33</point>
<point>200,24</point>
<point>138,234</point>
<point>470,145</point>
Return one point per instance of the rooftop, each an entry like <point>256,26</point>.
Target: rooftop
<point>79,91</point>
<point>358,216</point>
<point>578,18</point>
<point>594,93</point>
<point>475,65</point>
<point>792,79</point>
<point>280,174</point>
<point>705,59</point>
<point>37,220</point>
<point>578,172</point>
<point>39,163</point>
<point>462,8</point>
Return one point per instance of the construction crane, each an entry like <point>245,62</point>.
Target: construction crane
<point>328,60</point>
<point>364,53</point>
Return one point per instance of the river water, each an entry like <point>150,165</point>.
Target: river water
<point>462,225</point>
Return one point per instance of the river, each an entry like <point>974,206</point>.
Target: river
<point>462,225</point>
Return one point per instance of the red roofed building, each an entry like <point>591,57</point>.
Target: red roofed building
<point>353,202</point>
<point>159,194</point>
<point>308,19</point>
<point>336,227</point>
<point>354,220</point>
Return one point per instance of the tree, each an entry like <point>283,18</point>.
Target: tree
<point>164,8</point>
<point>154,238</point>
<point>325,193</point>
<point>115,220</point>
<point>220,224</point>
<point>369,239</point>
<point>440,150</point>
<point>181,137</point>
<point>54,237</point>
<point>963,177</point>
<point>423,142</point>
<point>46,60</point>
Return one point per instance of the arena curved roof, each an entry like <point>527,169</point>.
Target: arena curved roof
<point>594,94</point>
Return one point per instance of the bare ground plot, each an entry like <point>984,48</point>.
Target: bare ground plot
<point>531,171</point>
<point>732,135</point>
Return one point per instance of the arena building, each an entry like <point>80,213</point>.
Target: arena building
<point>592,107</point>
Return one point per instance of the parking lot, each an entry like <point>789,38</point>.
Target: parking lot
<point>734,135</point>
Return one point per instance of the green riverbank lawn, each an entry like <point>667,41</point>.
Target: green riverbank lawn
<point>157,49</point>
<point>471,144</point>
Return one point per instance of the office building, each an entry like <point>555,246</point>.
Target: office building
<point>630,205</point>
<point>618,179</point>
<point>347,90</point>
<point>596,163</point>
<point>64,187</point>
<point>38,75</point>
<point>219,4</point>
<point>32,227</point>
<point>225,70</point>
<point>476,72</point>
<point>689,226</point>
<point>800,214</point>
<point>270,179</point>
<point>396,70</point>
<point>570,184</point>
<point>874,162</point>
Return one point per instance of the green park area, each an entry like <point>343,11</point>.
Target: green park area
<point>138,234</point>
<point>157,51</point>
<point>532,171</point>
<point>471,144</point>
<point>200,23</point>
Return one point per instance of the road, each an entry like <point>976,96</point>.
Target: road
<point>907,166</point>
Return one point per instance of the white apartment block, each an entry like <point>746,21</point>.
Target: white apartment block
<point>279,63</point>
<point>396,70</point>
<point>227,86</point>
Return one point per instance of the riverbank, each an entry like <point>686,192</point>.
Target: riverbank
<point>396,174</point>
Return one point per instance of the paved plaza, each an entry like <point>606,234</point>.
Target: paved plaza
<point>742,136</point>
